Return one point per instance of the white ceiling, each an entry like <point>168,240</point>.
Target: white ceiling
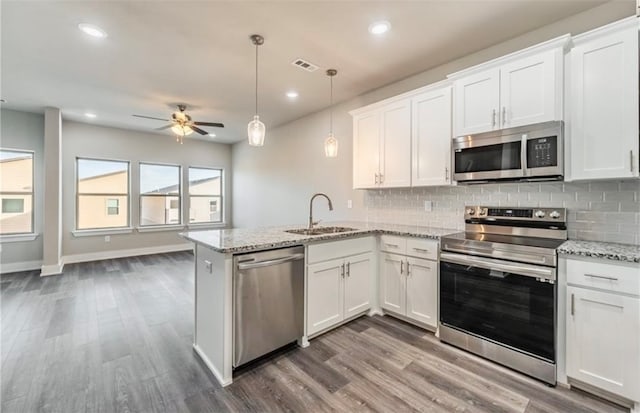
<point>159,53</point>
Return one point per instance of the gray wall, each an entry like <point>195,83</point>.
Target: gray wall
<point>20,130</point>
<point>86,140</point>
<point>272,184</point>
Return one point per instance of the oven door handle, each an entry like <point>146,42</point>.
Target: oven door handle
<point>491,264</point>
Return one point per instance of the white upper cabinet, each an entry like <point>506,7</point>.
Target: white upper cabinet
<point>431,138</point>
<point>603,103</point>
<point>382,146</point>
<point>514,90</point>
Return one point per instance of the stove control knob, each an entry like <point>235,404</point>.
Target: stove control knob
<point>540,214</point>
<point>554,214</point>
<point>471,211</point>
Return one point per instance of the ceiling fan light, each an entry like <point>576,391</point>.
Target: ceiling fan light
<point>256,131</point>
<point>331,146</point>
<point>181,130</point>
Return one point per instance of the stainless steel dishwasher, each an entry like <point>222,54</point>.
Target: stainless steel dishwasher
<point>268,302</point>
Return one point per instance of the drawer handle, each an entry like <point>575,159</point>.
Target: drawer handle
<point>420,250</point>
<point>391,245</point>
<point>573,304</point>
<point>401,267</point>
<point>602,277</point>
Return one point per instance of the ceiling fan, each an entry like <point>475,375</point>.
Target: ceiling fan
<point>182,124</point>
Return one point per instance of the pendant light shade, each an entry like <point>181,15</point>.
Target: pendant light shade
<point>256,129</point>
<point>331,143</point>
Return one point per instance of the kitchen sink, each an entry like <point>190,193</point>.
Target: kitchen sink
<point>320,230</point>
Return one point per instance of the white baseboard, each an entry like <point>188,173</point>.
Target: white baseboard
<point>107,255</point>
<point>211,367</point>
<point>53,269</point>
<point>6,268</point>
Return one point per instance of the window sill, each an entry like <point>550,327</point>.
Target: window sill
<point>98,232</point>
<point>159,228</point>
<point>207,225</point>
<point>18,238</point>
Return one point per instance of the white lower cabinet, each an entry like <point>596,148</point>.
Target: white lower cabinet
<point>603,327</point>
<point>338,285</point>
<point>408,284</point>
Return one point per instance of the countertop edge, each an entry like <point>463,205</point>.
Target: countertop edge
<point>611,251</point>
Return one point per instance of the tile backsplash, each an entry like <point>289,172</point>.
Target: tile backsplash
<point>597,211</point>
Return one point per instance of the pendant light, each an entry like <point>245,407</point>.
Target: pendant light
<point>256,129</point>
<point>331,143</point>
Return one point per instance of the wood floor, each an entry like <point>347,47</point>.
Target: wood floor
<point>115,336</point>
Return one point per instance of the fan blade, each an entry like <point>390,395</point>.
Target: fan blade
<point>215,125</point>
<point>150,117</point>
<point>200,131</point>
<point>165,127</point>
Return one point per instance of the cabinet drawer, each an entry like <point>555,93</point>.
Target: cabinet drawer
<point>612,277</point>
<point>422,248</point>
<point>393,244</point>
<point>339,249</point>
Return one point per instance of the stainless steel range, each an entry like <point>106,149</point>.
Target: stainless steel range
<point>498,286</point>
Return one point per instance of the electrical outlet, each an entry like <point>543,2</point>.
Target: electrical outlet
<point>349,204</point>
<point>428,206</point>
<point>107,238</point>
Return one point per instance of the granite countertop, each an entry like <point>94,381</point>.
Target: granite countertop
<point>597,249</point>
<point>256,239</point>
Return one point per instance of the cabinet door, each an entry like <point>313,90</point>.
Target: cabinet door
<point>392,283</point>
<point>604,107</point>
<point>366,149</point>
<point>530,90</point>
<point>324,295</point>
<point>431,138</point>
<point>603,340</point>
<point>357,284</point>
<point>395,159</point>
<point>477,103</point>
<point>422,291</point>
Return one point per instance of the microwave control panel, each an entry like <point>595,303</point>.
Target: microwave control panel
<point>542,152</point>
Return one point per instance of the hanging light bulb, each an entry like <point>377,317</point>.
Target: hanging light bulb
<point>256,129</point>
<point>331,143</point>
<point>181,130</point>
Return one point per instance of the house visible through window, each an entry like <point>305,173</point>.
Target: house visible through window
<point>159,194</point>
<point>205,195</point>
<point>16,192</point>
<point>102,188</point>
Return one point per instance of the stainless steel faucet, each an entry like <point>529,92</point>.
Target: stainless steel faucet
<point>311,223</point>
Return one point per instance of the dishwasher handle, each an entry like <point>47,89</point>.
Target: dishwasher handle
<point>258,264</point>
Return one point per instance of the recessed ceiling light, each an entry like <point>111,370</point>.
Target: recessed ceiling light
<point>213,135</point>
<point>92,30</point>
<point>379,27</point>
<point>90,115</point>
<point>292,94</point>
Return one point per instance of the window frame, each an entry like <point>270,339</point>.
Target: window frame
<point>141,195</point>
<point>221,207</point>
<point>33,194</point>
<point>78,194</point>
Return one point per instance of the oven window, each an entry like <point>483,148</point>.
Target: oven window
<point>511,309</point>
<point>498,157</point>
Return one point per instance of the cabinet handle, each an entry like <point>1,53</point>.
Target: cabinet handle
<point>342,272</point>
<point>504,115</point>
<point>631,160</point>
<point>446,173</point>
<point>602,277</point>
<point>420,250</point>
<point>401,267</point>
<point>376,180</point>
<point>391,245</point>
<point>408,270</point>
<point>208,265</point>
<point>348,269</point>
<point>573,304</point>
<point>493,118</point>
<point>381,178</point>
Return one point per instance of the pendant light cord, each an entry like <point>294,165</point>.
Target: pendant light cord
<point>331,106</point>
<point>256,79</point>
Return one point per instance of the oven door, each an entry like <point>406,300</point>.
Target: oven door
<point>509,303</point>
<point>478,158</point>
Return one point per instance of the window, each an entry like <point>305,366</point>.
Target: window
<point>16,192</point>
<point>113,206</point>
<point>102,188</point>
<point>205,195</point>
<point>159,194</point>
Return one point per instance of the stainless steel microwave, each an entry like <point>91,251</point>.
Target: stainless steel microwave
<point>526,153</point>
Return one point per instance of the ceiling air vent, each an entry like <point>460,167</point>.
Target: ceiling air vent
<point>303,64</point>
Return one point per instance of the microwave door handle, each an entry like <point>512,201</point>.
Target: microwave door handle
<point>523,155</point>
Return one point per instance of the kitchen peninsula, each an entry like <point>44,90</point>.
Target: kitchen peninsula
<point>215,251</point>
